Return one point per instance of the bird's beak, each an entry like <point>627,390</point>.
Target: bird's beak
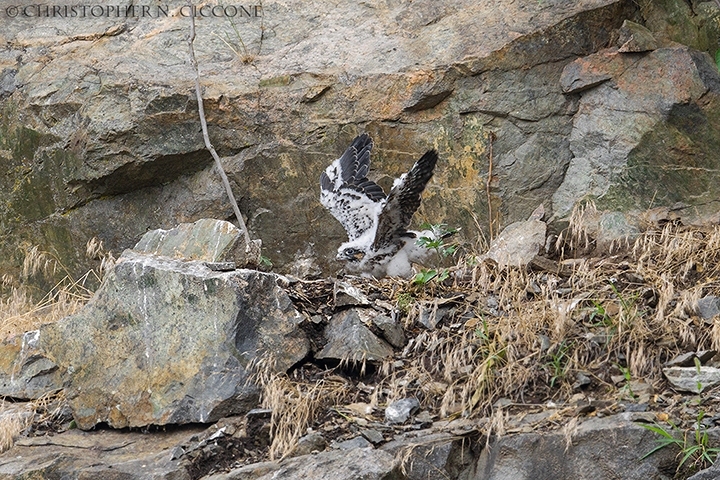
<point>350,257</point>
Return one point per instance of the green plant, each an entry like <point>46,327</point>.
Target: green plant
<point>698,366</point>
<point>628,305</point>
<point>436,241</point>
<point>625,372</point>
<point>493,354</point>
<point>695,446</point>
<point>423,277</point>
<point>626,389</point>
<point>404,300</point>
<point>599,315</point>
<point>558,362</point>
<point>440,232</point>
<point>265,263</point>
<point>482,331</point>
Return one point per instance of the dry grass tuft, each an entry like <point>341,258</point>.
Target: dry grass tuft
<point>577,237</point>
<point>20,312</point>
<point>421,453</point>
<point>13,421</point>
<point>497,424</point>
<point>569,431</point>
<point>294,405</point>
<point>16,418</point>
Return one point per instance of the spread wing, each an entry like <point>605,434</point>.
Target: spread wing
<point>404,200</point>
<point>346,191</point>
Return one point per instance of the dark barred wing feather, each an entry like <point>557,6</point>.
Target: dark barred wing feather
<point>403,201</point>
<point>346,191</point>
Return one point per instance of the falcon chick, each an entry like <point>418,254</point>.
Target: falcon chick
<point>379,243</point>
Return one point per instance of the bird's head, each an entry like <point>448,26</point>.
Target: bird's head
<point>350,254</point>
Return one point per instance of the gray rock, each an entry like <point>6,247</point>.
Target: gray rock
<point>372,436</point>
<point>642,390</point>
<point>259,414</point>
<point>206,239</point>
<point>708,307</point>
<point>710,473</point>
<point>688,359</point>
<point>352,444</point>
<point>220,244</point>
<point>346,294</point>
<point>220,266</point>
<point>635,38</point>
<point>355,464</point>
<point>349,339</point>
<point>248,472</point>
<point>705,355</point>
<point>424,418</point>
<point>518,243</point>
<point>579,76</point>
<point>7,81</point>
<point>614,230</point>
<point>637,416</point>
<point>615,444</point>
<point>312,442</point>
<point>26,372</point>
<point>431,314</point>
<point>391,330</point>
<point>434,456</point>
<point>401,410</point>
<point>623,113</point>
<point>169,342</point>
<point>103,454</point>
<point>177,452</point>
<point>581,381</point>
<point>683,360</point>
<point>692,379</point>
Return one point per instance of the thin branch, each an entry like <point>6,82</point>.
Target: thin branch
<point>487,184</point>
<point>206,137</point>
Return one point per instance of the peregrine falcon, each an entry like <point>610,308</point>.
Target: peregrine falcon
<point>379,243</point>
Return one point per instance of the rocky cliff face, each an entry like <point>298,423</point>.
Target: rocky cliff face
<point>100,133</point>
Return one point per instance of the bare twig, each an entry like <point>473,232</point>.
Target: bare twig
<point>208,145</point>
<point>488,183</point>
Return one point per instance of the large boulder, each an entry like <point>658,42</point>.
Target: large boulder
<point>170,336</point>
<point>166,341</point>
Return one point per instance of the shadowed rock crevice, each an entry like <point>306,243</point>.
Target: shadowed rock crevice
<point>135,176</point>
